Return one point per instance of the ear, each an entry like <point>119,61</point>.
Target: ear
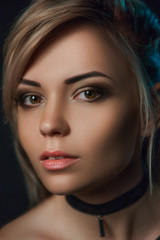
<point>156,98</point>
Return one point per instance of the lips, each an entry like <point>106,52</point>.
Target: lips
<point>57,160</point>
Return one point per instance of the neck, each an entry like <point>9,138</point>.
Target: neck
<point>120,203</point>
<point>125,224</point>
<point>121,225</point>
<point>123,201</point>
<point>115,187</point>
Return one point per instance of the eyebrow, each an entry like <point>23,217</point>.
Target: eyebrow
<point>70,80</point>
<point>29,82</point>
<point>86,75</point>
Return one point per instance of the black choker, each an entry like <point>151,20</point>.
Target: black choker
<point>115,205</point>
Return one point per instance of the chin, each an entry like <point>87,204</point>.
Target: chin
<point>61,185</point>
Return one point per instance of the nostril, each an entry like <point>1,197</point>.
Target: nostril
<point>53,133</point>
<point>54,128</point>
<point>53,120</point>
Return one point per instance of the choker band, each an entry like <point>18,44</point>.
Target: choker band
<point>115,205</point>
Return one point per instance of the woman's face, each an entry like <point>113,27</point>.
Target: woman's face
<point>78,112</point>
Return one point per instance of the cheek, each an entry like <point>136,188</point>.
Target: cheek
<point>111,131</point>
<point>107,142</point>
<point>28,131</point>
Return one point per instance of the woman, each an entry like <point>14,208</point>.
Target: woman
<point>81,93</point>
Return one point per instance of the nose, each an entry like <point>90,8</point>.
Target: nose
<point>53,121</point>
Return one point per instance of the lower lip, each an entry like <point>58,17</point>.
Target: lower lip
<point>58,164</point>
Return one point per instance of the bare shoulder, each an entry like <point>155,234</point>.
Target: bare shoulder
<point>19,228</point>
<point>29,225</point>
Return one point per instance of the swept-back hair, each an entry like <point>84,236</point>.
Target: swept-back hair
<point>132,26</point>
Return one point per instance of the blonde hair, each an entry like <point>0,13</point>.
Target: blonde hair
<point>128,22</point>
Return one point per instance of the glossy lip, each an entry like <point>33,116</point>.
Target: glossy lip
<point>62,160</point>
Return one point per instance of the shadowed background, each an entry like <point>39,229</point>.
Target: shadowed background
<point>13,198</point>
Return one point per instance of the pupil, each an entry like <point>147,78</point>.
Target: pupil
<point>34,99</point>
<point>89,94</point>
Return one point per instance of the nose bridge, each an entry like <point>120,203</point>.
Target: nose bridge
<point>53,119</point>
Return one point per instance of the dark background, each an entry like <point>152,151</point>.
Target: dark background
<point>13,198</point>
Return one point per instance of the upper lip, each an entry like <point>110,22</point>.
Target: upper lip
<point>56,154</point>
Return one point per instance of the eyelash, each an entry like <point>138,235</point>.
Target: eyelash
<point>99,94</point>
<point>22,98</point>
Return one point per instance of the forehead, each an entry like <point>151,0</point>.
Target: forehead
<point>78,48</point>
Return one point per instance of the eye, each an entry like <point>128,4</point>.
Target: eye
<point>88,95</point>
<point>30,100</point>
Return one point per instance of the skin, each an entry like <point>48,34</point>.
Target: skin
<point>102,131</point>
